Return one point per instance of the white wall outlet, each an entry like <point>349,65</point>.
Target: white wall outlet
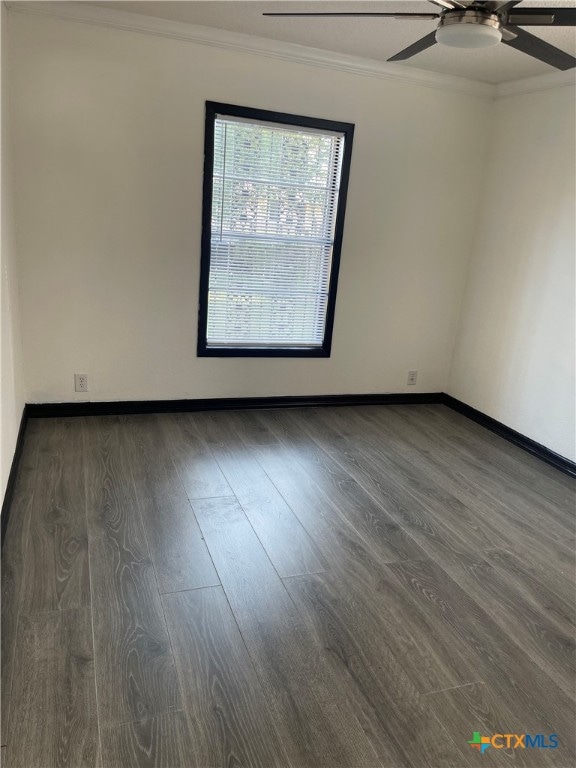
<point>81,382</point>
<point>412,378</point>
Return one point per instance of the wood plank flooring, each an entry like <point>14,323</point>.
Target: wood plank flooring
<point>355,587</point>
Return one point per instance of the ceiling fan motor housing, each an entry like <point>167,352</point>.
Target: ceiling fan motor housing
<point>469,29</point>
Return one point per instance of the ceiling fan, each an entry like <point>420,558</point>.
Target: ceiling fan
<point>479,24</point>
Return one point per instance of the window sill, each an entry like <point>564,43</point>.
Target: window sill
<point>263,352</point>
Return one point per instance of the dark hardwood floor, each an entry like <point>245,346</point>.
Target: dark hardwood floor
<point>335,587</point>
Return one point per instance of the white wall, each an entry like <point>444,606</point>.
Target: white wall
<point>514,357</point>
<point>11,386</point>
<point>108,128</point>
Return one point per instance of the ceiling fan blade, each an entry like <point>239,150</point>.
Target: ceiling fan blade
<point>448,5</point>
<point>496,5</point>
<point>419,45</point>
<point>557,17</point>
<point>540,49</point>
<point>507,34</point>
<point>424,16</point>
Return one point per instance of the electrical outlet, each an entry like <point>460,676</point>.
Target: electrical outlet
<point>412,378</point>
<point>80,382</point>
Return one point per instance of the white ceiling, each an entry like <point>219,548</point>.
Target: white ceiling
<point>369,38</point>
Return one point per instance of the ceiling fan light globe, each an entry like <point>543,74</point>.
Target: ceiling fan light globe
<point>468,36</point>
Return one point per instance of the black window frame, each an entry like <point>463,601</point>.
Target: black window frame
<point>213,109</point>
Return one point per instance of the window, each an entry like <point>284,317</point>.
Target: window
<point>274,196</point>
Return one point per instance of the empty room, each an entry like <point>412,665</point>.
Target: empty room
<point>288,384</point>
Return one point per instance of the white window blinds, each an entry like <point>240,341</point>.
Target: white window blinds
<point>274,202</point>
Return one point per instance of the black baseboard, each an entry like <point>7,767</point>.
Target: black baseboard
<point>45,410</point>
<point>536,449</point>
<point>9,492</point>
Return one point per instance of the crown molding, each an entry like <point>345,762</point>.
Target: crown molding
<point>277,49</point>
<point>537,83</point>
<point>260,46</point>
